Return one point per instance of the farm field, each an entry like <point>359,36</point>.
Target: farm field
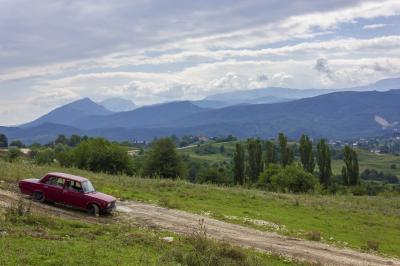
<point>334,217</point>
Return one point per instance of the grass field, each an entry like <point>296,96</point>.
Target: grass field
<point>342,219</point>
<point>31,239</point>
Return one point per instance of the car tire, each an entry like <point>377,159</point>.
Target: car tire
<point>39,196</point>
<point>93,210</point>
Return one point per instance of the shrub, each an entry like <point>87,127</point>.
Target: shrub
<point>271,170</point>
<point>213,175</point>
<point>13,154</point>
<point>314,235</point>
<point>98,155</point>
<point>292,179</point>
<point>44,156</point>
<point>17,211</point>
<point>373,245</point>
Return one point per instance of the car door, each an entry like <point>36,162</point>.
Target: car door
<point>53,189</point>
<point>73,194</point>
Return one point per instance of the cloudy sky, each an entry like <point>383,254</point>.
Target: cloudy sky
<point>53,51</point>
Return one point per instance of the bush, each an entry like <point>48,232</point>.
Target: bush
<point>98,155</point>
<point>314,235</point>
<point>44,156</point>
<point>214,175</point>
<point>373,245</point>
<point>13,154</point>
<point>265,177</point>
<point>208,252</point>
<point>292,179</point>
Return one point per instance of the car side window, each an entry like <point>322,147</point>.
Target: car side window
<point>52,181</point>
<point>55,181</point>
<point>75,186</point>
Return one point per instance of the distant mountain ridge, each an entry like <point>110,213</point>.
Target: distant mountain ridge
<point>340,115</point>
<point>70,112</point>
<point>278,94</point>
<point>147,116</point>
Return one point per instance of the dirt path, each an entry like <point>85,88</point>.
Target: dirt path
<point>183,222</point>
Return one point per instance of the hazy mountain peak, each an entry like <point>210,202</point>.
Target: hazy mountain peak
<point>118,104</point>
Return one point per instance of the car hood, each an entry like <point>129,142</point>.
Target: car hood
<point>101,196</point>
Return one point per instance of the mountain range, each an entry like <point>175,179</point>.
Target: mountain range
<point>338,115</point>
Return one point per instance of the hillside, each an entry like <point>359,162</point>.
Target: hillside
<point>68,113</point>
<point>147,116</point>
<point>334,115</point>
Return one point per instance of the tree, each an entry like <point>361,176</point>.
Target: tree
<point>350,172</point>
<point>306,154</point>
<point>254,159</point>
<point>3,141</point>
<point>74,140</point>
<point>270,154</point>
<point>286,154</point>
<point>17,143</point>
<point>324,163</point>
<point>163,160</point>
<point>61,139</point>
<point>222,149</point>
<point>238,164</point>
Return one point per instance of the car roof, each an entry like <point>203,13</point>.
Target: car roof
<point>68,176</point>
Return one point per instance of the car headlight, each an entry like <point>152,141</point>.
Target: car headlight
<point>109,204</point>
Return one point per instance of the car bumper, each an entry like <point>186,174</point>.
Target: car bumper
<point>111,208</point>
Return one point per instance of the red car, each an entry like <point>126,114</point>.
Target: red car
<point>70,190</point>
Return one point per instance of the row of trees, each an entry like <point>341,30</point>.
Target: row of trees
<point>4,142</point>
<point>249,160</point>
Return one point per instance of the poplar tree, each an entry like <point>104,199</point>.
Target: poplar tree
<point>350,172</point>
<point>270,154</point>
<point>306,154</point>
<point>286,154</point>
<point>324,163</point>
<point>3,141</point>
<point>239,164</point>
<point>254,160</point>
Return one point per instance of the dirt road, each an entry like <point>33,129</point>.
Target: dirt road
<point>183,222</point>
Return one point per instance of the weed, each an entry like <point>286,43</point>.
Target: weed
<point>373,245</point>
<point>314,235</point>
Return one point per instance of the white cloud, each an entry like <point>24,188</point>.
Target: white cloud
<point>375,26</point>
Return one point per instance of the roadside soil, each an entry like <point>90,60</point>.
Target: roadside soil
<point>186,223</point>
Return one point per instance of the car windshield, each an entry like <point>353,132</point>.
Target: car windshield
<point>87,187</point>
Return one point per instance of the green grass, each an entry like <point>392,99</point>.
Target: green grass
<point>32,239</point>
<point>341,219</point>
<point>212,158</point>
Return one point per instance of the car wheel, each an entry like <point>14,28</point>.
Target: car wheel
<point>93,210</point>
<point>39,196</point>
